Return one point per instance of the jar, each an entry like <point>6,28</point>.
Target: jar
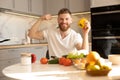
<point>25,58</point>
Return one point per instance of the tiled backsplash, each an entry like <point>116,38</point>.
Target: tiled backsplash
<point>14,27</point>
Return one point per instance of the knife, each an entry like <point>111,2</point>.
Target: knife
<point>4,40</point>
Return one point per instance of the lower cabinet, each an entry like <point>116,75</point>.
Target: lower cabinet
<point>38,51</point>
<point>12,56</point>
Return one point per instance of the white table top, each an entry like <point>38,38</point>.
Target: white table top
<point>39,71</point>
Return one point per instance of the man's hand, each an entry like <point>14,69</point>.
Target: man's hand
<point>46,17</point>
<point>87,27</point>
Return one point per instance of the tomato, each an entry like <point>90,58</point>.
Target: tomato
<point>33,58</point>
<point>61,60</point>
<point>43,60</point>
<point>67,62</point>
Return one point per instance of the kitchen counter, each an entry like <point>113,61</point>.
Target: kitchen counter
<point>26,45</point>
<point>21,46</point>
<point>39,71</point>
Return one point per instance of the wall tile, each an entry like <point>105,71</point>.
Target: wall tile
<point>15,27</point>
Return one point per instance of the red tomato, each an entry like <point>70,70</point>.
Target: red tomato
<point>61,60</point>
<point>33,58</point>
<point>43,60</point>
<point>67,62</point>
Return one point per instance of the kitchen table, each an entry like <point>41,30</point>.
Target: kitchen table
<point>37,71</point>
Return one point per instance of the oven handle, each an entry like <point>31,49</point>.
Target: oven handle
<point>106,12</point>
<point>107,37</point>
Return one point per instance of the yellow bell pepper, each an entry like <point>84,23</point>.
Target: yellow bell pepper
<point>81,22</point>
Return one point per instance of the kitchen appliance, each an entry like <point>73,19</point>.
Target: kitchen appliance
<point>105,22</point>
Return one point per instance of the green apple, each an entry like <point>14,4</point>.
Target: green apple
<point>93,67</point>
<point>106,67</point>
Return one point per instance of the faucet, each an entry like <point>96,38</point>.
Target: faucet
<point>27,38</point>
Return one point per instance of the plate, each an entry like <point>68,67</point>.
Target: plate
<point>98,72</point>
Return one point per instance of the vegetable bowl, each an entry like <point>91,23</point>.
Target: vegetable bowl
<point>80,63</point>
<point>78,58</point>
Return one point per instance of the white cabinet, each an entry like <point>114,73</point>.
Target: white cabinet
<point>16,5</point>
<point>12,56</point>
<point>79,5</point>
<point>21,5</point>
<point>6,4</point>
<point>39,51</point>
<point>53,6</point>
<point>36,7</point>
<point>6,54</point>
<point>40,7</point>
<point>8,57</point>
<point>29,6</point>
<point>99,3</point>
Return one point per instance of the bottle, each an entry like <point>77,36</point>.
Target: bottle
<point>25,58</point>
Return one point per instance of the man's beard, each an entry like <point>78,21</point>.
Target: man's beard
<point>64,28</point>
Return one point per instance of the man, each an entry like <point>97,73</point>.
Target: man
<point>61,39</point>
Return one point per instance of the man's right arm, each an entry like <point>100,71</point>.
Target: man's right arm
<point>34,32</point>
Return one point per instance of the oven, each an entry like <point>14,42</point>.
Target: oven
<point>105,22</point>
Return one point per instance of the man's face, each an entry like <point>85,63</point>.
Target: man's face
<point>64,21</point>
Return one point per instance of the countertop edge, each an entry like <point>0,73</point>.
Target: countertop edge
<point>22,46</point>
<point>26,45</point>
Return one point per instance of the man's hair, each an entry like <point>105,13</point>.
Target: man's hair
<point>63,11</point>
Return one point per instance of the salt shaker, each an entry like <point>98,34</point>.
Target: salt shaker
<point>25,58</point>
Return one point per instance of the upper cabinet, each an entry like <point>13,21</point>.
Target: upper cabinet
<point>36,7</point>
<point>40,7</point>
<point>29,6</point>
<point>79,5</point>
<point>99,3</point>
<point>6,4</point>
<point>52,6</point>
<point>21,5</point>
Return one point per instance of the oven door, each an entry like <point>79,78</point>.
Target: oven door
<point>105,23</point>
<point>106,45</point>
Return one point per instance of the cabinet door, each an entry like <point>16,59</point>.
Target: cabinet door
<point>39,51</point>
<point>36,7</point>
<point>8,57</point>
<point>21,5</point>
<point>8,62</point>
<point>6,4</point>
<point>6,54</point>
<point>79,5</point>
<point>53,6</point>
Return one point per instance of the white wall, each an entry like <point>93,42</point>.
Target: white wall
<point>98,3</point>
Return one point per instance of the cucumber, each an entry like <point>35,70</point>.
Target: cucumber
<point>53,61</point>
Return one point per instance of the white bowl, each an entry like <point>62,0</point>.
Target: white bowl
<point>114,58</point>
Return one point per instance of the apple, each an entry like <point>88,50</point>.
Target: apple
<point>93,67</point>
<point>33,58</point>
